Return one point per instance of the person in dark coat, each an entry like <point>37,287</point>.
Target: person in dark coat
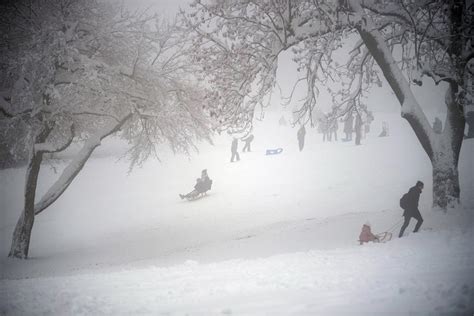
<point>247,141</point>
<point>358,128</point>
<point>233,149</point>
<point>411,209</point>
<point>205,180</point>
<point>301,134</point>
<point>348,122</point>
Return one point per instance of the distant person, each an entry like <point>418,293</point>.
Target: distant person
<point>358,128</point>
<point>332,123</point>
<point>333,126</point>
<point>233,149</point>
<point>301,135</point>
<point>323,126</point>
<point>247,141</point>
<point>348,122</point>
<point>370,118</point>
<point>384,132</point>
<point>437,126</point>
<point>366,234</point>
<point>410,206</point>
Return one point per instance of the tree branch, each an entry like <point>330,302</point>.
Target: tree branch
<point>76,165</point>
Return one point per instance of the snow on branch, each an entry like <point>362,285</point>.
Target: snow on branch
<point>76,165</point>
<point>54,148</point>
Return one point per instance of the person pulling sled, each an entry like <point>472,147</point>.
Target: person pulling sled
<point>203,184</point>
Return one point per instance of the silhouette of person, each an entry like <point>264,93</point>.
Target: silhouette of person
<point>233,149</point>
<point>300,135</point>
<point>247,141</point>
<point>411,209</point>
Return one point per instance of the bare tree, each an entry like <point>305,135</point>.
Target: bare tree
<point>238,43</point>
<point>79,71</point>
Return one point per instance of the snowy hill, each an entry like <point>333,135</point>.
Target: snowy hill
<point>275,235</point>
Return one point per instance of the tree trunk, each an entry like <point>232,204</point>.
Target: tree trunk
<point>443,150</point>
<point>446,190</point>
<point>22,233</point>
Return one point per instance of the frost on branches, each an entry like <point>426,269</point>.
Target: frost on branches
<point>79,71</point>
<point>237,44</point>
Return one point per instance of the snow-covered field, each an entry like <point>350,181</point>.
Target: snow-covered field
<point>275,235</point>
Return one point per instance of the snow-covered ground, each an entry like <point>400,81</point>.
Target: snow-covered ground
<point>275,235</point>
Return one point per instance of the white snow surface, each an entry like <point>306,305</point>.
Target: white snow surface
<point>276,235</point>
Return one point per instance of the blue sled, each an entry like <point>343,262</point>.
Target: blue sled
<point>274,151</point>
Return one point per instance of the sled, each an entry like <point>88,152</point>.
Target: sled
<point>381,238</point>
<point>384,237</point>
<point>274,151</point>
<point>196,195</point>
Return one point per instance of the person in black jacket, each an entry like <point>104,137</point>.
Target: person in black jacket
<point>411,209</point>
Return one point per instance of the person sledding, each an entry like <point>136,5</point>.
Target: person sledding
<point>366,235</point>
<point>203,184</point>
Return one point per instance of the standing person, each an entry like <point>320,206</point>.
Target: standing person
<point>233,149</point>
<point>370,118</point>
<point>384,132</point>
<point>323,126</point>
<point>247,141</point>
<point>358,128</point>
<point>301,134</point>
<point>348,126</point>
<point>333,128</point>
<point>410,206</point>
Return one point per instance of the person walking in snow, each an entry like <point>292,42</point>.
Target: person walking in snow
<point>300,135</point>
<point>411,207</point>
<point>233,149</point>
<point>247,141</point>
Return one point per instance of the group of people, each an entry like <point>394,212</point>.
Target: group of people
<point>410,205</point>
<point>328,125</point>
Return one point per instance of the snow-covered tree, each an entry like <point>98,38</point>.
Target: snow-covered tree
<point>79,71</point>
<point>343,46</point>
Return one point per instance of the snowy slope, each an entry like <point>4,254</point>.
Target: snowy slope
<point>275,235</point>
